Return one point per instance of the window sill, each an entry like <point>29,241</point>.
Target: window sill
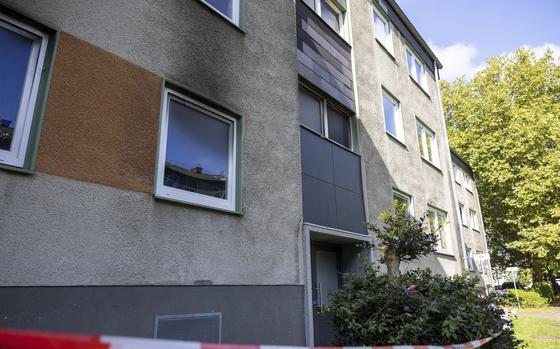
<point>21,170</point>
<point>432,165</point>
<point>389,53</point>
<point>465,225</point>
<point>396,140</point>
<point>224,17</point>
<point>420,87</point>
<point>477,230</point>
<point>193,204</point>
<point>445,253</point>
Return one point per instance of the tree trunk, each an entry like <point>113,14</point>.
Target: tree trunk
<point>392,262</point>
<point>537,271</point>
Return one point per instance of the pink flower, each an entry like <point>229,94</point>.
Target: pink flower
<point>410,289</point>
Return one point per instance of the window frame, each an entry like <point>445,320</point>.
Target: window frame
<point>463,215</point>
<point>342,32</point>
<point>424,78</point>
<point>467,181</point>
<point>433,146</point>
<point>235,13</point>
<point>183,196</point>
<point>470,259</point>
<point>26,111</point>
<point>473,219</point>
<point>325,104</point>
<point>399,124</point>
<point>457,174</point>
<point>407,197</point>
<point>437,212</point>
<point>388,43</point>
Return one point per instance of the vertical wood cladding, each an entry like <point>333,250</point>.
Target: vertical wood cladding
<point>324,58</point>
<point>101,120</point>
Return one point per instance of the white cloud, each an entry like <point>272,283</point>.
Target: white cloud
<point>540,50</point>
<point>458,59</point>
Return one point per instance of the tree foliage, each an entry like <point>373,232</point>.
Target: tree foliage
<point>402,238</point>
<point>506,123</point>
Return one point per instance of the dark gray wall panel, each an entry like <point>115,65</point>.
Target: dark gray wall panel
<point>250,314</point>
<point>350,211</point>
<point>332,184</point>
<point>319,202</point>
<point>347,170</point>
<point>324,58</point>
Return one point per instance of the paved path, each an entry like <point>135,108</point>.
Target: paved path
<point>552,313</point>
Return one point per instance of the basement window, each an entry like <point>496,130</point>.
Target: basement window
<point>21,65</point>
<point>197,154</point>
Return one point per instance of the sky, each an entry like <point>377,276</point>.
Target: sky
<point>463,33</point>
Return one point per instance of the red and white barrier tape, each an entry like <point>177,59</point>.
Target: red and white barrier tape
<point>14,339</point>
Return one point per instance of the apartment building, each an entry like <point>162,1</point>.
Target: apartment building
<point>202,170</point>
<point>470,222</point>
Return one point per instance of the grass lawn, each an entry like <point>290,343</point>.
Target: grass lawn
<point>539,328</point>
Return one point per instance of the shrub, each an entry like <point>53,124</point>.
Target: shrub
<point>544,289</point>
<point>528,299</point>
<point>419,308</point>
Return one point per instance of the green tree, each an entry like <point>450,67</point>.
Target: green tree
<point>506,123</point>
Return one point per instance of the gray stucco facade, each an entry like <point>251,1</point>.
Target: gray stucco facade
<point>87,238</point>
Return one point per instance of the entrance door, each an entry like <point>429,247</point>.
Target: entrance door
<point>325,272</point>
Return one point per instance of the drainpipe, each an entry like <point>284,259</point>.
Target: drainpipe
<point>450,171</point>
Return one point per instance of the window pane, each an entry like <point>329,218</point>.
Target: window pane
<point>338,127</point>
<point>223,6</point>
<point>429,140</point>
<point>419,71</point>
<point>410,62</point>
<point>389,109</point>
<point>420,132</point>
<point>14,60</point>
<point>197,152</point>
<point>330,15</point>
<point>381,28</point>
<point>309,110</point>
<point>432,220</point>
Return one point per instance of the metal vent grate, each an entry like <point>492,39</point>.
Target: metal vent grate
<point>190,327</point>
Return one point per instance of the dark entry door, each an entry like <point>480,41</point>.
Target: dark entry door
<point>325,264</point>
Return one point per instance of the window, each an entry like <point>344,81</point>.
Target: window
<point>230,9</point>
<point>405,200</point>
<point>438,225</point>
<point>197,154</point>
<point>21,64</point>
<point>470,259</point>
<point>427,144</point>
<point>331,14</point>
<point>416,69</point>
<point>463,214</point>
<point>322,117</point>
<point>457,174</point>
<point>467,181</point>
<point>382,30</point>
<point>393,117</point>
<point>474,220</point>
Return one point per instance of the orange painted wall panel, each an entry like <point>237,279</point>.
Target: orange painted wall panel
<point>102,118</point>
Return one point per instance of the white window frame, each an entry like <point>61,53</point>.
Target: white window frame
<point>341,16</point>
<point>445,230</point>
<point>20,138</point>
<point>467,182</point>
<point>470,258</point>
<point>387,43</point>
<point>424,140</point>
<point>407,197</point>
<point>325,119</point>
<point>457,174</point>
<point>235,11</point>
<point>398,115</point>
<point>423,83</point>
<point>165,192</point>
<point>463,215</point>
<point>473,218</point>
